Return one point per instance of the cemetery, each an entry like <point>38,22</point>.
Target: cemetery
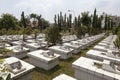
<point>39,43</point>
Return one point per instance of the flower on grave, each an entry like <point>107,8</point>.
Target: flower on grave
<point>4,70</point>
<point>3,67</point>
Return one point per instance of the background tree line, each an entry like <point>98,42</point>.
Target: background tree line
<point>8,21</point>
<point>91,24</point>
<point>84,23</point>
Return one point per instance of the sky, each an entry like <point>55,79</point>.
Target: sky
<point>48,8</point>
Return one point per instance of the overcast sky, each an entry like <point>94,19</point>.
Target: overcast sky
<point>48,8</point>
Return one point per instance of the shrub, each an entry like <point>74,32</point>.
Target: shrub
<point>52,35</point>
<point>35,32</point>
<point>80,31</point>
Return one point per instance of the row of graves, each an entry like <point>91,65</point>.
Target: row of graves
<point>102,62</point>
<point>45,59</point>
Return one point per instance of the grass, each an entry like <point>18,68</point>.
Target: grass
<point>65,66</point>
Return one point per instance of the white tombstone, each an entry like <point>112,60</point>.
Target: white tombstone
<point>63,51</point>
<point>64,77</point>
<point>44,59</point>
<point>19,69</point>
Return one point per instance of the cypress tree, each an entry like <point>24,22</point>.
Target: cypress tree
<point>106,23</point>
<point>70,20</point>
<point>59,22</point>
<point>55,20</point>
<point>75,22</point>
<point>79,22</point>
<point>64,22</point>
<point>94,19</point>
<point>23,20</point>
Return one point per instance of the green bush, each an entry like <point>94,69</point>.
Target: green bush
<point>117,41</point>
<point>3,68</point>
<point>35,32</point>
<point>80,31</point>
<point>5,51</point>
<point>52,35</point>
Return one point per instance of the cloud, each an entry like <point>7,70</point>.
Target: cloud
<point>109,6</point>
<point>48,8</point>
<point>39,5</point>
<point>44,7</point>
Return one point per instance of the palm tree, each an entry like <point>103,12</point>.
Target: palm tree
<point>34,22</point>
<point>39,22</point>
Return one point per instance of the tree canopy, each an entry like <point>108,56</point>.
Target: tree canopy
<point>8,21</point>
